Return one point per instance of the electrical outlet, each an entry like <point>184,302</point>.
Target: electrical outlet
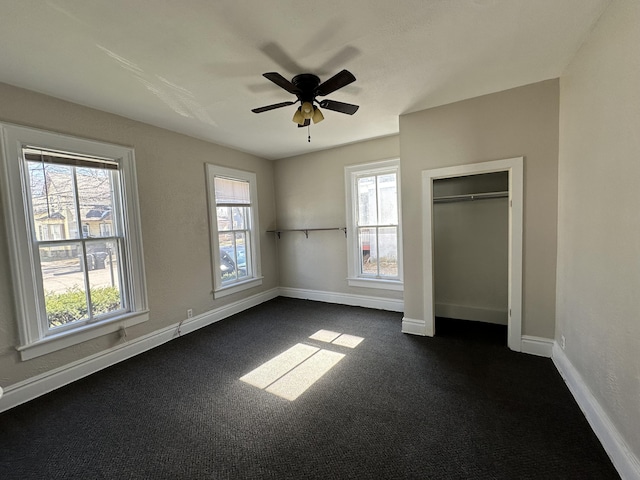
<point>563,342</point>
<point>189,312</point>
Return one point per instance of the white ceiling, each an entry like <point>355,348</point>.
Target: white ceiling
<point>194,66</point>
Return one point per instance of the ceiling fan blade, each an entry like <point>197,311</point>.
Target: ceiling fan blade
<point>339,80</point>
<point>341,107</point>
<point>306,123</point>
<point>282,82</point>
<point>271,107</point>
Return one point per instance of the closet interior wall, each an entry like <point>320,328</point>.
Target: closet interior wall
<point>471,247</point>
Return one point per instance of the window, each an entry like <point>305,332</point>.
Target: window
<point>234,229</point>
<point>373,219</point>
<point>72,213</point>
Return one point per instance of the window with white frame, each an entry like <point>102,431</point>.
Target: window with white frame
<point>234,229</point>
<point>373,221</point>
<point>75,279</point>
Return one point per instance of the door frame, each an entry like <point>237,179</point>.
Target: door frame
<point>514,166</point>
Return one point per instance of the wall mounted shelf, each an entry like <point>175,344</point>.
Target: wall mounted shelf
<point>306,230</point>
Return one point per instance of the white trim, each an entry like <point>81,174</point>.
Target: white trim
<point>366,301</point>
<point>81,334</point>
<point>252,254</point>
<point>624,460</point>
<point>39,385</point>
<point>353,265</point>
<point>238,287</point>
<point>539,346</point>
<point>415,327</point>
<point>25,267</point>
<point>515,168</point>
<point>467,312</point>
<point>380,283</point>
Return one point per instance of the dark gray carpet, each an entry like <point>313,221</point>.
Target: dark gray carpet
<point>457,406</point>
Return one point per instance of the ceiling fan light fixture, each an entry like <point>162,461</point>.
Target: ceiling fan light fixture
<point>307,110</point>
<point>317,115</point>
<point>298,117</point>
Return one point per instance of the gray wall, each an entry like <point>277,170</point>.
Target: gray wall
<point>310,193</point>
<point>518,122</point>
<point>598,306</point>
<point>175,227</point>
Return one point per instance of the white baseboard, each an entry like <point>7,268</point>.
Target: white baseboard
<point>390,304</point>
<point>539,346</point>
<point>39,385</point>
<point>623,459</point>
<point>467,312</point>
<point>413,326</point>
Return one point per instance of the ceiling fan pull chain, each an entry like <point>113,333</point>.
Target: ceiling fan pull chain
<point>309,134</point>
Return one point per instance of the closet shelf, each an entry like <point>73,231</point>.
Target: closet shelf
<point>306,230</point>
<point>470,196</point>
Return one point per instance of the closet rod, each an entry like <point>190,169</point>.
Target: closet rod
<point>306,230</point>
<point>470,196</point>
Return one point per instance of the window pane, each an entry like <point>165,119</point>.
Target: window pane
<point>239,218</point>
<point>388,251</point>
<point>95,196</point>
<point>366,191</point>
<point>63,284</point>
<point>106,229</point>
<point>224,218</point>
<point>366,239</point>
<point>241,254</point>
<point>228,190</point>
<point>227,257</point>
<point>103,265</point>
<point>52,200</point>
<point>387,199</point>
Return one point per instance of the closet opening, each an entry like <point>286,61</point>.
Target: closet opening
<point>470,267</point>
<point>472,248</point>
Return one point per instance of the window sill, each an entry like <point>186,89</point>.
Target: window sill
<point>237,287</point>
<point>69,338</point>
<point>376,283</point>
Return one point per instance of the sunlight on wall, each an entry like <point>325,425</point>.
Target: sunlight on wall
<point>291,373</point>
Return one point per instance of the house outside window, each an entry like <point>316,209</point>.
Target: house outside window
<point>75,281</point>
<point>234,229</point>
<point>374,250</point>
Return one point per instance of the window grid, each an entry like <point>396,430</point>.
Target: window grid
<point>374,251</point>
<point>369,228</point>
<point>235,241</point>
<point>234,229</point>
<point>56,292</point>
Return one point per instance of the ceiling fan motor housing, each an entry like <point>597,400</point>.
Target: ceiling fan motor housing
<point>306,83</point>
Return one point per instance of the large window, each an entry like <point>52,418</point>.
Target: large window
<point>234,229</point>
<point>373,217</point>
<point>71,207</point>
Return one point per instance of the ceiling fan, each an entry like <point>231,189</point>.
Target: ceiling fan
<point>307,87</point>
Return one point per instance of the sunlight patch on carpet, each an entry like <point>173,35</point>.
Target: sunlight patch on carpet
<point>342,339</point>
<point>298,380</point>
<point>291,373</point>
<point>277,367</point>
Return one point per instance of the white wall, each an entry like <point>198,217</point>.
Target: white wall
<point>518,122</point>
<point>598,279</point>
<point>175,227</point>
